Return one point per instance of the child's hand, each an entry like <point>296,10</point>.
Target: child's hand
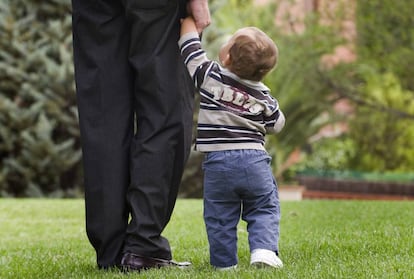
<point>188,25</point>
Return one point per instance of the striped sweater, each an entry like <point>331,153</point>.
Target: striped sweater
<point>234,113</point>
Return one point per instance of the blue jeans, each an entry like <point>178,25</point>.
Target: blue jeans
<point>239,183</point>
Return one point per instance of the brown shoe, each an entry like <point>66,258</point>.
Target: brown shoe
<point>133,262</point>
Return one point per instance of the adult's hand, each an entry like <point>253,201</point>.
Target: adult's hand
<point>200,12</point>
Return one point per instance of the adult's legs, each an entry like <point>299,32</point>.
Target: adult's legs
<point>163,106</point>
<point>105,102</point>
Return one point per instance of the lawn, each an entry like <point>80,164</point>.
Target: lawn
<point>46,238</point>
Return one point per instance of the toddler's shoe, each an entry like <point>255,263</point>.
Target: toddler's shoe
<point>263,258</point>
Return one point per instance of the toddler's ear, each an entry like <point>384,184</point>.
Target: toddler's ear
<point>226,61</point>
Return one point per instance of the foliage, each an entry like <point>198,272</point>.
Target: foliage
<point>39,148</point>
<point>379,86</point>
<point>319,239</point>
<point>380,136</point>
<point>330,154</point>
<point>384,139</point>
<point>383,88</point>
<point>386,37</point>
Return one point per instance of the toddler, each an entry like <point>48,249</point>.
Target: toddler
<point>236,111</point>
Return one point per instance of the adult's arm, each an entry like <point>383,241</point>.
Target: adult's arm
<point>200,12</point>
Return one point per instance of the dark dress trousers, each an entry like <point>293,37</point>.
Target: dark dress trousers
<point>135,102</point>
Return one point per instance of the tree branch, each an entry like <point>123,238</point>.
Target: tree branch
<point>354,97</point>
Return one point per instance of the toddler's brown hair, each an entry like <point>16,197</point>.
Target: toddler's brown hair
<point>253,57</point>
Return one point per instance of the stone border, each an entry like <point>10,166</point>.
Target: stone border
<point>317,187</point>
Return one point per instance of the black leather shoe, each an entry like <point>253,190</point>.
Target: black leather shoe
<point>133,262</point>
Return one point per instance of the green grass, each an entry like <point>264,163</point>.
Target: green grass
<point>319,239</point>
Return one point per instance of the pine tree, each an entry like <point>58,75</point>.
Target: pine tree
<point>39,135</point>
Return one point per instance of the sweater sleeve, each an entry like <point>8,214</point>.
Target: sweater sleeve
<point>274,118</point>
<point>195,58</point>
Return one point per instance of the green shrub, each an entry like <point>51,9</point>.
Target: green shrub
<point>386,37</point>
<point>39,138</point>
